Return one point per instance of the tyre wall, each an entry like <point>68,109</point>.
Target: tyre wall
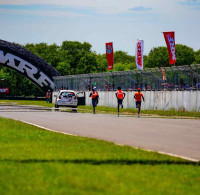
<point>28,64</point>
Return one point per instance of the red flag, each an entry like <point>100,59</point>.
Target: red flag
<point>109,54</point>
<point>170,41</point>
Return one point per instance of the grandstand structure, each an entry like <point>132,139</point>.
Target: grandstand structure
<point>185,77</point>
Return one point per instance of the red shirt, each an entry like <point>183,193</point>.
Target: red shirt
<point>48,94</point>
<point>94,94</point>
<point>120,94</point>
<point>138,96</point>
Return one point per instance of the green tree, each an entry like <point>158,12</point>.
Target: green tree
<point>49,53</point>
<point>123,57</point>
<point>197,57</point>
<point>64,68</point>
<point>145,57</point>
<point>87,64</point>
<point>123,61</point>
<point>102,63</point>
<point>184,55</point>
<point>119,67</point>
<point>159,57</point>
<point>18,84</point>
<point>79,56</point>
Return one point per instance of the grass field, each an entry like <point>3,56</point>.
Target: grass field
<point>36,161</point>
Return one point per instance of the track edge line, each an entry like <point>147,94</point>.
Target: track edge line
<point>160,152</point>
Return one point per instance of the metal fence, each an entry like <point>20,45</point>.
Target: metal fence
<point>164,78</point>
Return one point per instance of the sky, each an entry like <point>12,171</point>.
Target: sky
<point>99,21</point>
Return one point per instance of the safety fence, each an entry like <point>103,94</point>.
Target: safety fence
<point>164,78</point>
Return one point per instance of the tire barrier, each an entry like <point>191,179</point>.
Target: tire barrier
<point>28,64</point>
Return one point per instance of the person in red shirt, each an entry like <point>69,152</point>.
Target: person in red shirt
<point>95,97</point>
<point>138,99</point>
<point>48,96</point>
<point>120,95</point>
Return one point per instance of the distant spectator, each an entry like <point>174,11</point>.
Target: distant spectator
<point>106,87</point>
<point>187,87</point>
<point>148,88</point>
<point>198,86</point>
<point>48,96</point>
<point>170,87</point>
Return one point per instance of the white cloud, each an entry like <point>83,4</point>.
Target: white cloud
<point>101,6</point>
<point>58,14</point>
<point>98,21</point>
<point>163,7</point>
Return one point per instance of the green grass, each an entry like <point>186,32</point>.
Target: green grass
<point>128,111</point>
<point>35,161</point>
<point>109,110</point>
<point>27,102</point>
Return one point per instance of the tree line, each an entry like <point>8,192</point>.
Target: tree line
<point>73,57</point>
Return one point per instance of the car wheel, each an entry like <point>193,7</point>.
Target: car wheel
<point>56,106</point>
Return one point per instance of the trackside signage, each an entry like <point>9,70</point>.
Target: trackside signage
<point>170,41</point>
<point>4,90</point>
<point>109,55</point>
<point>139,54</point>
<point>27,69</point>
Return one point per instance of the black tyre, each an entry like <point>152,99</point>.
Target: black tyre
<point>43,69</point>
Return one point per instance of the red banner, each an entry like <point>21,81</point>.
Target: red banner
<point>170,41</point>
<point>139,54</point>
<point>109,54</point>
<point>4,90</point>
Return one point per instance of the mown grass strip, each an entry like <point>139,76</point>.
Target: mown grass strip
<point>36,161</point>
<point>27,102</point>
<point>128,111</point>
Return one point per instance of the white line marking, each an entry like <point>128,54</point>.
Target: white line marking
<point>160,152</point>
<point>45,128</point>
<point>170,154</point>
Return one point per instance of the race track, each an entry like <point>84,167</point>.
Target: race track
<point>176,136</point>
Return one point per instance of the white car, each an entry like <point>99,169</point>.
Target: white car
<point>66,98</point>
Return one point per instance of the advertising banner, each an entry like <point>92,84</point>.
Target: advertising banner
<point>4,90</point>
<point>170,41</point>
<point>139,54</point>
<point>109,54</point>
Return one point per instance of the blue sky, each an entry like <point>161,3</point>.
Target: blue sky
<point>101,21</point>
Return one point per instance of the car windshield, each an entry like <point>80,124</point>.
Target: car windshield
<point>67,94</point>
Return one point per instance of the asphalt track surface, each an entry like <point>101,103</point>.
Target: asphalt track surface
<point>175,136</point>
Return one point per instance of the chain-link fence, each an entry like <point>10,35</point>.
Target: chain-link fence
<point>164,78</point>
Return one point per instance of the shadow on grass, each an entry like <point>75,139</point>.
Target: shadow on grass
<point>102,162</point>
